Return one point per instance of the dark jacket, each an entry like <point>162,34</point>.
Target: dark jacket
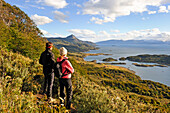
<point>47,60</point>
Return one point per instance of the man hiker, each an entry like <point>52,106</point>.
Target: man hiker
<point>47,60</point>
<point>65,79</point>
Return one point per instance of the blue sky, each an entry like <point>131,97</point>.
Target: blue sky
<point>99,20</point>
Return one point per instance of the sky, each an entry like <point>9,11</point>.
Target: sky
<point>100,20</point>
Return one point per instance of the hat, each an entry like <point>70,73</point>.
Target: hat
<point>63,51</point>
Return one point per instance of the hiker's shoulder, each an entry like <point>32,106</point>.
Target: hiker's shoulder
<point>50,52</point>
<point>65,59</point>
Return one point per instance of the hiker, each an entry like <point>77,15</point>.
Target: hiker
<point>65,80</point>
<point>47,60</point>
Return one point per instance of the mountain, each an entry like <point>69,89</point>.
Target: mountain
<point>113,42</point>
<point>72,43</point>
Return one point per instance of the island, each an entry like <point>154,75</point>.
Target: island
<point>109,59</point>
<point>146,58</point>
<point>148,65</point>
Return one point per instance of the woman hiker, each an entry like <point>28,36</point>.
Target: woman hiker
<point>65,80</point>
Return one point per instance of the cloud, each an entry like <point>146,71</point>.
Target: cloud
<point>165,1</point>
<point>162,9</point>
<point>147,34</point>
<point>145,18</point>
<point>27,0</point>
<point>83,34</point>
<point>109,10</point>
<point>46,33</point>
<point>115,31</point>
<point>40,20</point>
<point>101,21</point>
<point>151,12</point>
<point>58,4</point>
<point>78,5</point>
<point>59,35</point>
<point>78,13</point>
<point>60,17</point>
<point>37,7</point>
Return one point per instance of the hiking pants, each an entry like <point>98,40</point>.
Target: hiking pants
<point>67,83</point>
<point>48,83</point>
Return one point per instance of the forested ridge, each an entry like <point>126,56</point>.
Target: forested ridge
<point>18,32</point>
<point>96,87</point>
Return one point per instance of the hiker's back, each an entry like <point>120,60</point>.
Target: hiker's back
<point>46,59</point>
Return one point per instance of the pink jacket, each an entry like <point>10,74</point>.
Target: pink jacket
<point>66,65</point>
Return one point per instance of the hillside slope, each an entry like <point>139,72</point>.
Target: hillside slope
<point>19,33</point>
<point>22,77</point>
<point>96,87</point>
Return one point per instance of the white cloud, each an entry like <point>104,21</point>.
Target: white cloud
<point>165,1</point>
<point>59,35</point>
<point>115,31</point>
<point>54,3</point>
<point>78,13</point>
<point>39,1</point>
<point>168,7</point>
<point>83,34</point>
<point>162,9</point>
<point>37,7</point>
<point>148,34</point>
<point>46,33</point>
<point>40,20</point>
<point>101,21</point>
<point>27,0</point>
<point>78,5</point>
<point>60,17</point>
<point>109,10</point>
<point>151,12</point>
<point>145,18</point>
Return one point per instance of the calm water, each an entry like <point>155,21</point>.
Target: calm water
<point>157,74</point>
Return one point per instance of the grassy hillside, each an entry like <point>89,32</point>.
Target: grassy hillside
<point>21,78</point>
<point>96,87</point>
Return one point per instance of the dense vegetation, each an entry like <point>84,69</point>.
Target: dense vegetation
<point>161,59</point>
<point>94,90</point>
<point>72,44</point>
<point>96,87</point>
<point>19,33</point>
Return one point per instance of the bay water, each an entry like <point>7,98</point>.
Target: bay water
<point>157,74</point>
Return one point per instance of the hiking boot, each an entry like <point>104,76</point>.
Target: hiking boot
<point>62,101</point>
<point>51,100</point>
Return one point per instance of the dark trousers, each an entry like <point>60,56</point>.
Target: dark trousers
<point>66,83</point>
<point>48,84</point>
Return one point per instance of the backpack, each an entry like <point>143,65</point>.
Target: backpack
<point>58,69</point>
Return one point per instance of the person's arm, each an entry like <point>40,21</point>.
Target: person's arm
<point>69,67</point>
<point>40,60</point>
<point>52,60</point>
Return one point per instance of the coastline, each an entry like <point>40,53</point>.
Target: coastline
<point>145,73</point>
